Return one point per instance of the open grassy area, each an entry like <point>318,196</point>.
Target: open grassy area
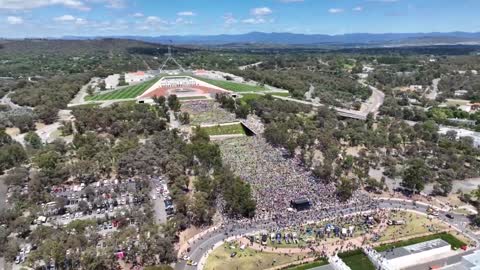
<point>309,265</point>
<point>357,260</point>
<point>247,259</point>
<point>251,96</point>
<point>225,130</point>
<point>124,93</point>
<point>452,240</point>
<point>415,225</point>
<point>233,86</point>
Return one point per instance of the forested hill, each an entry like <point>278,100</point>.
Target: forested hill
<point>72,47</point>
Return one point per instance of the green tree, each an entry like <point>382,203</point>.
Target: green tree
<point>33,140</point>
<point>415,175</point>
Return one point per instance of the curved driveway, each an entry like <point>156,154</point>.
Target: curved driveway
<point>207,241</point>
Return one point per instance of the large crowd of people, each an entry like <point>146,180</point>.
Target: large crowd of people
<point>207,112</point>
<point>277,180</point>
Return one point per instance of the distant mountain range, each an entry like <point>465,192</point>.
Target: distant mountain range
<point>359,39</point>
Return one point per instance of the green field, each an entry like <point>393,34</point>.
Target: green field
<point>309,265</point>
<point>357,260</point>
<point>233,86</point>
<point>248,259</point>
<point>452,240</point>
<point>124,93</point>
<point>225,130</point>
<point>251,96</point>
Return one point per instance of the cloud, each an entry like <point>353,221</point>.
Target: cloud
<point>229,19</point>
<point>153,19</point>
<point>64,18</point>
<point>358,9</point>
<point>258,20</point>
<point>181,20</point>
<point>186,13</point>
<point>70,19</point>
<point>14,20</point>
<point>32,4</point>
<point>115,4</point>
<point>335,10</point>
<point>138,15</point>
<point>261,11</point>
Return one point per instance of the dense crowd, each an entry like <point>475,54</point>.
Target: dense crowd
<point>207,112</point>
<point>277,180</point>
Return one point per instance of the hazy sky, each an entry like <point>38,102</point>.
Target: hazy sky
<point>54,18</point>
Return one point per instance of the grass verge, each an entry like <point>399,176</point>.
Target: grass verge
<point>356,260</point>
<point>447,237</point>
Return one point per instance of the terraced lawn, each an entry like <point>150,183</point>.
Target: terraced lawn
<point>124,93</point>
<point>233,86</point>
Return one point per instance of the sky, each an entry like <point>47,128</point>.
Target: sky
<point>57,18</point>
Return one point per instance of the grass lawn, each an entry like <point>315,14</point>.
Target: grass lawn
<point>452,240</point>
<point>247,259</point>
<point>91,105</point>
<point>248,97</point>
<point>309,265</point>
<point>225,130</point>
<point>280,94</point>
<point>357,260</point>
<point>124,93</point>
<point>233,86</point>
<point>415,225</point>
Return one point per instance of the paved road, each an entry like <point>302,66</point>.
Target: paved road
<point>372,105</point>
<point>8,101</point>
<point>159,207</point>
<point>249,66</point>
<point>206,242</point>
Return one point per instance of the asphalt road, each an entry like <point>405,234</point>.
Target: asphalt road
<point>206,242</point>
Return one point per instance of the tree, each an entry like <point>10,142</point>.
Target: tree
<point>11,155</point>
<point>201,212</point>
<point>33,140</point>
<point>160,101</point>
<point>242,111</point>
<point>345,189</point>
<point>416,175</point>
<point>47,160</point>
<point>184,118</point>
<point>173,103</point>
<point>159,267</point>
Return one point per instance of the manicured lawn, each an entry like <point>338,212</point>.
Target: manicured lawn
<point>233,86</point>
<point>247,259</point>
<point>225,130</point>
<point>125,93</point>
<point>309,265</point>
<point>357,260</point>
<point>452,240</point>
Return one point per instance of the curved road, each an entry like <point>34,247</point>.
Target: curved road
<point>207,241</point>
